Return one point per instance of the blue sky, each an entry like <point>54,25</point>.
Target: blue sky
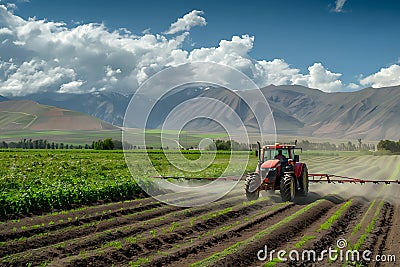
<point>354,39</point>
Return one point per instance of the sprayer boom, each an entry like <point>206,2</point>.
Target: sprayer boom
<point>327,178</point>
<point>313,178</point>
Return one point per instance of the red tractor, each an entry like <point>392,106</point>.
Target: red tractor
<point>278,169</point>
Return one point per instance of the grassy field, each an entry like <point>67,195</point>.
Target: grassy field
<point>41,180</point>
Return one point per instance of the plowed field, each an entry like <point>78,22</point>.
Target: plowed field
<point>229,232</point>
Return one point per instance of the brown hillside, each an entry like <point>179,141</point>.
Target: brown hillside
<point>27,114</point>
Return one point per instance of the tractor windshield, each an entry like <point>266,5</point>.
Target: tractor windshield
<point>272,153</point>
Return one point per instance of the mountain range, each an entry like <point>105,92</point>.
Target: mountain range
<point>29,115</point>
<point>370,113</point>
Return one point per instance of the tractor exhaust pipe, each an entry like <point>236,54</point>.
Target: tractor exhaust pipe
<point>259,151</point>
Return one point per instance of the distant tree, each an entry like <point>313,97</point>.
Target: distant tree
<point>14,145</point>
<point>108,144</point>
<point>4,145</point>
<point>359,144</point>
<point>388,145</point>
<point>220,145</point>
<point>117,144</point>
<point>98,145</point>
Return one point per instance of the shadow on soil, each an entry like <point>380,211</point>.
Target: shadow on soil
<point>312,197</point>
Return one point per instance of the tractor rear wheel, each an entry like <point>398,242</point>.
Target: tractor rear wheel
<point>288,187</point>
<point>303,180</point>
<point>251,186</point>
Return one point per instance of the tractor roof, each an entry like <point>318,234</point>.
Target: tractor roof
<point>279,146</point>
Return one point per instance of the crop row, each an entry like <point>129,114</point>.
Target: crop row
<point>338,219</point>
<point>144,231</point>
<point>322,227</point>
<point>240,244</point>
<point>215,225</point>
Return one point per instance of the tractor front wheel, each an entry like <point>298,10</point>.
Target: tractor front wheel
<point>252,184</point>
<point>288,187</point>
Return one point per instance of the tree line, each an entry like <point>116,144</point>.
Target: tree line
<point>387,145</point>
<point>349,146</point>
<point>41,144</point>
<point>106,144</point>
<point>110,144</point>
<point>228,145</point>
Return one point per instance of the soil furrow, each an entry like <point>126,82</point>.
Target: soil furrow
<point>150,221</point>
<point>50,225</point>
<point>111,224</point>
<point>157,239</point>
<point>204,249</point>
<point>377,238</point>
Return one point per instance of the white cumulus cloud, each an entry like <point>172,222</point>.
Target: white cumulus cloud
<point>32,76</point>
<point>383,78</point>
<point>353,86</point>
<point>71,87</point>
<point>45,56</point>
<point>320,77</point>
<point>188,21</point>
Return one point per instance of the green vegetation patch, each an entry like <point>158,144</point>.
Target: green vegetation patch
<point>304,240</point>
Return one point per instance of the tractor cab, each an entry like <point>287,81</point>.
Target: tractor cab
<point>278,158</point>
<point>278,168</point>
<point>278,151</point>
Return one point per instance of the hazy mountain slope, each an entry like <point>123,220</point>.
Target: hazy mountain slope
<point>369,113</point>
<point>107,106</point>
<point>27,114</point>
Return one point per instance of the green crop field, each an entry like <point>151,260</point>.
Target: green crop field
<point>41,180</point>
